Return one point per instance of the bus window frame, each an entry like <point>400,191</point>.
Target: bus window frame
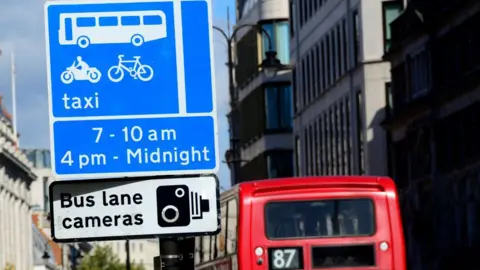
<point>235,241</point>
<point>223,232</point>
<point>228,253</point>
<point>204,237</point>
<point>198,252</point>
<point>374,224</point>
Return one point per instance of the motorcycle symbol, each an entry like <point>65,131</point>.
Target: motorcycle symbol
<point>80,71</point>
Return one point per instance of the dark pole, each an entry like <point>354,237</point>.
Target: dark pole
<point>127,250</point>
<point>177,253</point>
<point>234,113</point>
<point>234,120</point>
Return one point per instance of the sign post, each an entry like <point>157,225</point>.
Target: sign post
<point>131,95</point>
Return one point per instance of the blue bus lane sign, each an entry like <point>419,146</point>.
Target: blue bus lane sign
<point>131,88</point>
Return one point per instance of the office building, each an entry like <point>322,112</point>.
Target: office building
<point>432,121</point>
<point>265,110</point>
<point>339,78</point>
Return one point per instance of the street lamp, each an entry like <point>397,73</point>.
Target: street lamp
<point>270,65</point>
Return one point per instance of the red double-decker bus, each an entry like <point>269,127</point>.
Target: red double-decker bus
<point>307,223</point>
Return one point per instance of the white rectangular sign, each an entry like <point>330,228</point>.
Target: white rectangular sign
<point>110,209</point>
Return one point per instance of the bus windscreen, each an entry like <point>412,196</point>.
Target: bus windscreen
<point>320,218</point>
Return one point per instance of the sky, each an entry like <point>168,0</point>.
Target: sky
<point>22,31</point>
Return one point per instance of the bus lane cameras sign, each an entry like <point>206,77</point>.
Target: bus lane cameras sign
<point>131,88</point>
<point>118,208</point>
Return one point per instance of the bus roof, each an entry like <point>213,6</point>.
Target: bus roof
<point>320,181</point>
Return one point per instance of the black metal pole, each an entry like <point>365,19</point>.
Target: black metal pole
<point>127,250</point>
<point>234,121</point>
<point>177,253</point>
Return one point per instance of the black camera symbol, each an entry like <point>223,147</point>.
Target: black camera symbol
<point>177,205</point>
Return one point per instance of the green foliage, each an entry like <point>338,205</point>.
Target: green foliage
<point>103,258</point>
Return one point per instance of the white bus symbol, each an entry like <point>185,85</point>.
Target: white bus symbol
<point>134,27</point>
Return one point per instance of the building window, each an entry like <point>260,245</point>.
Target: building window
<point>356,38</point>
<point>344,137</point>
<point>221,245</point>
<point>46,158</point>
<point>206,248</point>
<point>389,99</point>
<point>318,72</point>
<point>315,148</point>
<point>321,145</point>
<point>278,106</point>
<point>324,66</point>
<point>297,156</point>
<point>247,57</point>
<point>46,201</point>
<point>312,75</point>
<point>292,18</point>
<point>418,74</point>
<point>302,14</point>
<point>198,250</point>
<point>280,36</point>
<point>344,45</point>
<point>333,136</point>
<point>295,92</point>
<point>328,145</point>
<point>339,50</point>
<point>360,134</point>
<point>391,10</point>
<point>328,61</point>
<point>348,128</point>
<point>338,138</point>
<point>310,150</point>
<point>335,49</point>
<point>280,163</point>
<point>308,83</point>
<point>304,85</point>
<point>232,220</point>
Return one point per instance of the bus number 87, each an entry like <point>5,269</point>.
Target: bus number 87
<point>285,259</point>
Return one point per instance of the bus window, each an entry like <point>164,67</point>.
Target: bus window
<point>108,21</point>
<point>152,20</point>
<point>130,20</point>
<point>232,226</point>
<point>198,249</point>
<point>221,236</point>
<point>213,249</point>
<point>325,218</point>
<point>206,248</point>
<point>86,22</point>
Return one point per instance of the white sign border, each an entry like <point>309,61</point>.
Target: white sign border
<point>137,236</point>
<point>53,119</point>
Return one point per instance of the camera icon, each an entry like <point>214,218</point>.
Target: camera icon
<point>177,206</point>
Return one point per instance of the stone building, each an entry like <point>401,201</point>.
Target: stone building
<point>433,114</point>
<point>264,114</point>
<point>64,256</point>
<point>16,177</point>
<point>339,78</point>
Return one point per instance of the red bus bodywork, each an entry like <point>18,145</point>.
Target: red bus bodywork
<point>382,249</point>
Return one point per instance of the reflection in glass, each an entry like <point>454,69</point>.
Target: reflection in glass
<point>297,219</point>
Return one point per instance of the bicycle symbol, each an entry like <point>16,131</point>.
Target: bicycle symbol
<point>140,71</point>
